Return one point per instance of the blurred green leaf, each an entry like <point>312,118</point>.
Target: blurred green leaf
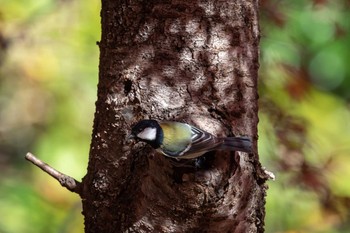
<point>47,92</point>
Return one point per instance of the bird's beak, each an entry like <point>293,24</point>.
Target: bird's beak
<point>130,136</point>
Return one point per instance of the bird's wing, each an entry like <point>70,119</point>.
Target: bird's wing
<point>184,141</point>
<point>202,142</point>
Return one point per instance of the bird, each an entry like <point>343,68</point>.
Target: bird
<point>183,141</point>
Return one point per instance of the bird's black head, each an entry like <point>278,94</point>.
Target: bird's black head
<point>148,131</point>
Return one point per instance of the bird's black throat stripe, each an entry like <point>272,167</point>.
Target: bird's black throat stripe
<point>159,137</point>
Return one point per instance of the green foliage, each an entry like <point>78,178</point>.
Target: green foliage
<point>48,76</point>
<point>305,128</point>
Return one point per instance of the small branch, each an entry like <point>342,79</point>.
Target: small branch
<point>66,181</point>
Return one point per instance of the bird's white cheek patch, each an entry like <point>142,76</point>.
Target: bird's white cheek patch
<point>148,134</point>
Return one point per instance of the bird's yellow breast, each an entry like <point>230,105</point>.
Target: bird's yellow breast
<point>176,136</point>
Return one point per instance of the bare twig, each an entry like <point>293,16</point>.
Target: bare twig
<point>66,181</point>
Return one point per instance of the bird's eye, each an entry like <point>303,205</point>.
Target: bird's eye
<point>140,130</point>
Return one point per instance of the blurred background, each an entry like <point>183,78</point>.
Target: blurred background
<point>48,78</point>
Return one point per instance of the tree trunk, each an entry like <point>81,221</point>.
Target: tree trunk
<point>189,61</point>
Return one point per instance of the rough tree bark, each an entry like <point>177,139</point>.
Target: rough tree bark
<point>190,61</point>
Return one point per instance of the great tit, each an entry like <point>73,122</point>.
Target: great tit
<point>184,141</point>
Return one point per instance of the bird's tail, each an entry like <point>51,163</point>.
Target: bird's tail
<point>237,144</point>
